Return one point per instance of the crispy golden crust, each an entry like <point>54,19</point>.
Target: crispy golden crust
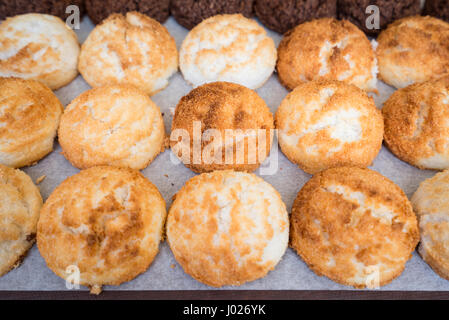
<point>227,228</point>
<point>107,221</point>
<point>417,124</point>
<point>413,49</point>
<point>39,47</point>
<point>116,125</point>
<point>327,49</point>
<point>324,124</point>
<point>431,204</point>
<point>29,118</point>
<point>129,49</point>
<point>348,223</point>
<point>20,202</point>
<point>222,106</point>
<point>230,48</point>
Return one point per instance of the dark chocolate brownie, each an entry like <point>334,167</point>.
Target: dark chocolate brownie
<point>98,10</point>
<point>389,10</point>
<point>437,8</point>
<point>283,15</point>
<point>191,12</point>
<point>9,8</point>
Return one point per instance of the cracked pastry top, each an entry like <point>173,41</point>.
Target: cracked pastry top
<point>106,221</point>
<point>229,48</point>
<point>325,123</point>
<point>129,49</point>
<point>417,124</point>
<point>39,47</point>
<point>227,228</point>
<point>20,202</point>
<point>353,226</point>
<point>29,118</point>
<point>327,49</point>
<point>115,125</point>
<point>413,49</point>
<point>431,204</point>
<point>228,125</point>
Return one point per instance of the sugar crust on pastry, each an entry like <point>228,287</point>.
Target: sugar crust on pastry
<point>129,49</point>
<point>20,202</point>
<point>227,228</point>
<point>115,125</point>
<point>106,221</point>
<point>223,106</point>
<point>39,47</point>
<point>324,124</point>
<point>327,49</point>
<point>29,118</point>
<point>353,226</point>
<point>417,124</point>
<point>431,204</point>
<point>228,47</point>
<point>413,49</point>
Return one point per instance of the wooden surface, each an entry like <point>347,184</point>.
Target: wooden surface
<point>225,295</point>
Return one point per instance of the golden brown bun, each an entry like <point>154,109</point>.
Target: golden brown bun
<point>29,118</point>
<point>228,47</point>
<point>324,124</point>
<point>107,221</point>
<point>129,49</point>
<point>417,124</point>
<point>116,125</point>
<point>327,49</point>
<point>222,106</point>
<point>20,202</point>
<point>431,204</point>
<point>227,228</point>
<point>353,226</point>
<point>413,49</point>
<point>39,47</point>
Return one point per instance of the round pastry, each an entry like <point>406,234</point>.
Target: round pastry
<point>116,125</point>
<point>189,13</point>
<point>324,124</point>
<point>98,10</point>
<point>106,221</point>
<point>327,49</point>
<point>283,15</point>
<point>437,8</point>
<point>19,213</point>
<point>417,124</point>
<point>29,118</point>
<point>39,47</point>
<point>132,49</point>
<point>389,11</point>
<point>228,48</point>
<point>227,228</point>
<point>431,205</point>
<point>413,49</point>
<point>353,226</point>
<point>9,8</point>
<point>222,125</point>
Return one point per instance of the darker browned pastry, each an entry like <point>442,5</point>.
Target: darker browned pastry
<point>283,15</point>
<point>390,10</point>
<point>437,8</point>
<point>9,8</point>
<point>98,10</point>
<point>191,12</point>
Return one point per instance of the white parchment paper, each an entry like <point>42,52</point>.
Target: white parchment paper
<point>165,273</point>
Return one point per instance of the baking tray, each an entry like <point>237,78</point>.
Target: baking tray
<point>165,278</point>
